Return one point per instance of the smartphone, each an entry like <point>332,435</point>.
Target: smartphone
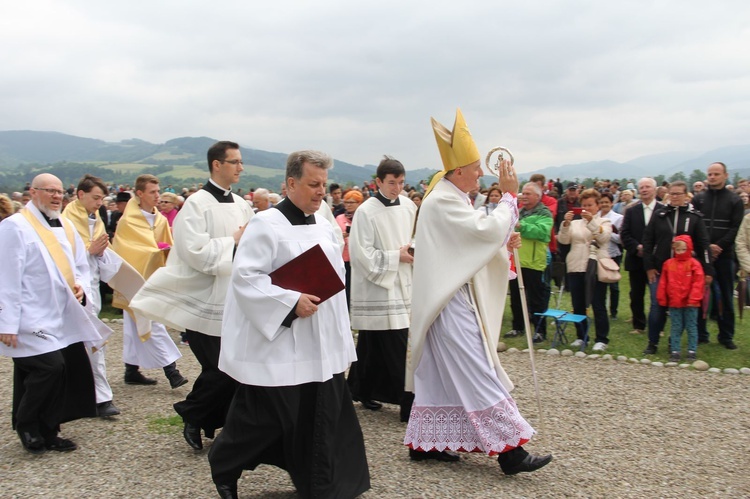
<point>577,210</point>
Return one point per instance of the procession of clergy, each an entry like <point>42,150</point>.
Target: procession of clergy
<point>427,295</point>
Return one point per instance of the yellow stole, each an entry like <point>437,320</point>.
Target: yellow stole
<point>136,242</point>
<point>54,247</point>
<point>77,213</point>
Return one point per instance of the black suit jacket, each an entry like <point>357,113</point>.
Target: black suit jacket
<point>631,235</point>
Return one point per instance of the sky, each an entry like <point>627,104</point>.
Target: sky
<point>556,82</point>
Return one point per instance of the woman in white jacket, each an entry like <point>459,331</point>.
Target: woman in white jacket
<point>579,234</point>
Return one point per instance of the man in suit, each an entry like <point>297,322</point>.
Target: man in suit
<point>633,228</point>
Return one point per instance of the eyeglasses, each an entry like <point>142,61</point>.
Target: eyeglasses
<point>52,192</point>
<point>234,162</point>
<point>165,202</point>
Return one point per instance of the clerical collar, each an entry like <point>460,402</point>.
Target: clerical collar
<point>222,195</point>
<point>52,222</point>
<point>294,214</point>
<point>387,202</point>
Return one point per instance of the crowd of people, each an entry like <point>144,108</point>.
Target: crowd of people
<point>420,273</point>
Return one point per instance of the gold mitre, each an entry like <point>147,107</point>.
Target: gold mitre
<point>457,147</point>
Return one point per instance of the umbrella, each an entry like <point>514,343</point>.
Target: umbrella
<point>742,294</point>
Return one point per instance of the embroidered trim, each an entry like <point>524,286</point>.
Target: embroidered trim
<point>492,431</point>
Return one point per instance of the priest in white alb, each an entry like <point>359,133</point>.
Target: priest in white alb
<point>381,267</point>
<point>189,292</point>
<point>461,271</point>
<point>43,325</point>
<point>103,265</point>
<point>288,350</point>
<point>142,238</point>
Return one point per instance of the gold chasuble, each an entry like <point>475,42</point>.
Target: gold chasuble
<point>77,213</point>
<point>54,247</point>
<point>137,243</point>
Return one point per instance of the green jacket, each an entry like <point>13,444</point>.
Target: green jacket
<point>535,229</point>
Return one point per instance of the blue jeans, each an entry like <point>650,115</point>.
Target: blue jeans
<point>657,315</point>
<point>684,318</point>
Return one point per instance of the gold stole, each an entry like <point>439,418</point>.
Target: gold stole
<point>136,243</point>
<point>54,247</point>
<point>77,213</point>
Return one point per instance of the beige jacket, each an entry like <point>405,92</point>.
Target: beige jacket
<point>579,235</point>
<point>742,244</point>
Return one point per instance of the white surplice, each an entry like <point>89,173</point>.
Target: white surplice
<point>380,282</point>
<point>36,302</point>
<point>189,292</point>
<point>101,267</point>
<point>461,271</point>
<point>256,348</point>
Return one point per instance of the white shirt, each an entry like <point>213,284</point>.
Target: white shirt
<point>648,210</point>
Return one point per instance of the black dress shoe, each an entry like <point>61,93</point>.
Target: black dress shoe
<point>729,344</point>
<point>60,445</point>
<point>107,409</point>
<point>32,443</point>
<point>530,463</point>
<point>372,405</point>
<point>192,436</point>
<point>137,378</point>
<point>650,349</point>
<point>446,455</point>
<point>227,491</point>
<point>176,380</point>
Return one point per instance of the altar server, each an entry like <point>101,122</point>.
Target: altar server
<point>43,324</point>
<point>189,292</point>
<point>142,239</point>
<point>289,351</point>
<point>379,245</point>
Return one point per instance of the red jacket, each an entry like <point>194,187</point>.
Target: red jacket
<point>682,279</point>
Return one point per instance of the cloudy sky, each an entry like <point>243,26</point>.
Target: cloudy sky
<point>555,81</point>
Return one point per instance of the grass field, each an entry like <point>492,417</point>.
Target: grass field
<point>187,171</point>
<point>621,342</point>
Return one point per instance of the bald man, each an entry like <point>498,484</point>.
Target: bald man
<point>42,321</point>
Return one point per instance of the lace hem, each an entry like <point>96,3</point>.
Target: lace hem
<point>492,431</point>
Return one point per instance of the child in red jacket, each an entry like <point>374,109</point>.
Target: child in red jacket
<point>681,288</point>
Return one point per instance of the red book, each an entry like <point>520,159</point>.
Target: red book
<point>309,273</point>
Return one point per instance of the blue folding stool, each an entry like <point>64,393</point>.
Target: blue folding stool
<point>562,319</point>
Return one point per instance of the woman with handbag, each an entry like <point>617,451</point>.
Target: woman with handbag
<point>580,228</point>
<point>614,248</point>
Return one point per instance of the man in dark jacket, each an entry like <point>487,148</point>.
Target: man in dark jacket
<point>633,227</point>
<point>667,222</point>
<point>568,200</point>
<point>723,212</point>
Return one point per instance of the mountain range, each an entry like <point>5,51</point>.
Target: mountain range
<point>181,161</point>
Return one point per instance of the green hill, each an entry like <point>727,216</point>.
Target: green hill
<point>180,161</point>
